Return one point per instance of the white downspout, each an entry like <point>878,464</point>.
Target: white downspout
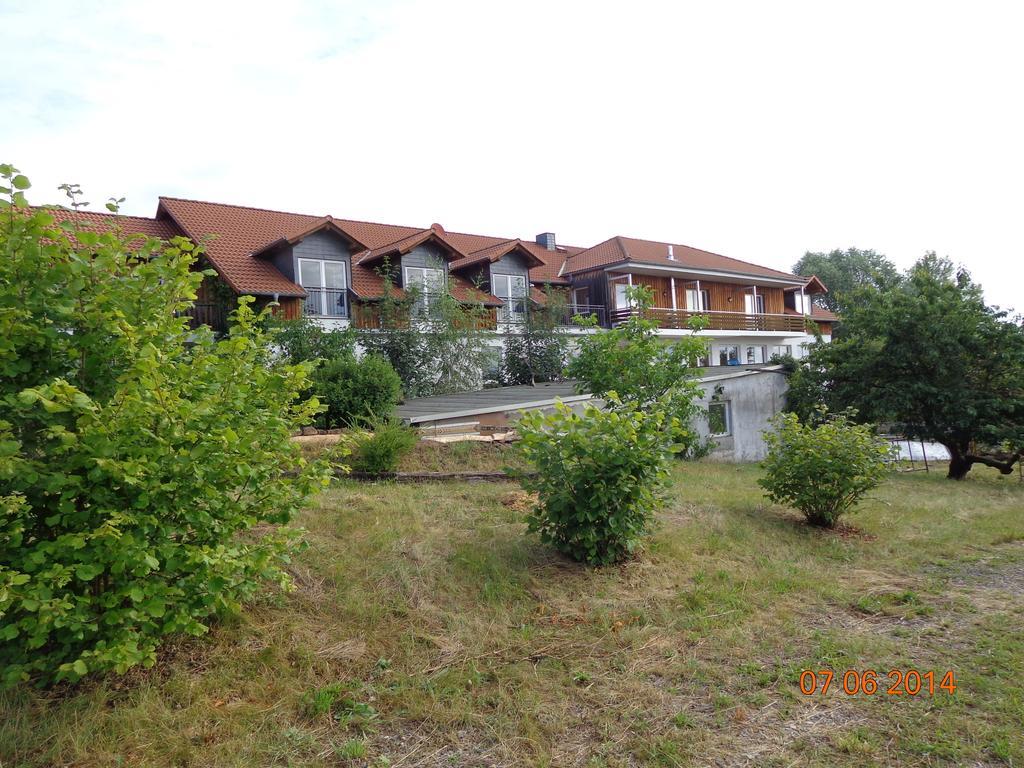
<point>672,282</point>
<point>700,299</point>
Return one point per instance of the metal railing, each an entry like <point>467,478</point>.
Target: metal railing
<point>718,320</point>
<point>519,310</point>
<point>513,310</point>
<point>326,302</point>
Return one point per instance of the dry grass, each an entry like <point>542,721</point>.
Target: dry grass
<point>430,456</point>
<point>475,645</point>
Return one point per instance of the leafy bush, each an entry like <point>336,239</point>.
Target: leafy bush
<point>382,447</point>
<point>352,390</point>
<point>305,340</point>
<point>599,477</point>
<point>822,469</point>
<point>137,457</point>
<point>407,351</point>
<point>634,362</point>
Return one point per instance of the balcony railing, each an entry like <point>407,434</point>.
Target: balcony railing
<point>718,320</point>
<point>367,316</point>
<point>326,302</point>
<point>513,310</point>
<point>516,311</point>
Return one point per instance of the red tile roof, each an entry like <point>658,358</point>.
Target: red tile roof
<point>102,221</point>
<point>493,253</point>
<point>629,249</point>
<point>231,235</point>
<point>235,236</point>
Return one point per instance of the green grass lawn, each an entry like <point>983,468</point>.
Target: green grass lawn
<point>427,629</point>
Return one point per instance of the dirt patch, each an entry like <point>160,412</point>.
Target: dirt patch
<point>520,502</point>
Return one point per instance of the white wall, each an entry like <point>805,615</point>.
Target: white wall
<point>753,398</point>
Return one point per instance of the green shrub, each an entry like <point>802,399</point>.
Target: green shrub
<point>305,340</point>
<point>633,361</point>
<point>599,476</point>
<point>382,446</point>
<point>822,469</point>
<point>352,390</point>
<point>137,457</point>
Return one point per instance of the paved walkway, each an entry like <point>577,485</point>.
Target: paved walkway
<point>425,409</point>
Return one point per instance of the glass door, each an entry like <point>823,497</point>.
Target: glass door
<point>513,291</point>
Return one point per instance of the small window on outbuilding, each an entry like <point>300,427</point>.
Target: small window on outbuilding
<point>719,419</point>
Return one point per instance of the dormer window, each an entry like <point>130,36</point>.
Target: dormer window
<point>427,283</point>
<point>326,285</point>
<point>513,291</point>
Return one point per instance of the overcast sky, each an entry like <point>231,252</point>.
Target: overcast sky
<point>758,130</point>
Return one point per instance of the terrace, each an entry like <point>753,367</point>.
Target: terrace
<point>718,320</point>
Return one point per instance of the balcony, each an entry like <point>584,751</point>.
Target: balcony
<point>718,320</point>
<point>326,302</point>
<point>517,311</point>
<point>367,316</point>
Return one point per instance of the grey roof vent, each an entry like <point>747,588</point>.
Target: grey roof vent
<point>547,239</point>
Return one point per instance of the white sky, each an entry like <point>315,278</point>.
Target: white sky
<point>754,129</point>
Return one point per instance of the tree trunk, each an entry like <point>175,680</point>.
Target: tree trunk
<point>959,464</point>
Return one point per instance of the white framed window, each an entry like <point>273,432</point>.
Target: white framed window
<point>729,355</point>
<point>429,284</point>
<point>782,350</point>
<point>513,291</point>
<point>698,301</point>
<point>754,305</point>
<point>802,303</point>
<point>326,284</point>
<point>719,418</point>
<point>581,297</point>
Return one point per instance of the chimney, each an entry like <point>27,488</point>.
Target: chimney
<point>671,255</point>
<point>547,239</point>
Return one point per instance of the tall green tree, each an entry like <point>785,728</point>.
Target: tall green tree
<point>931,358</point>
<point>844,273</point>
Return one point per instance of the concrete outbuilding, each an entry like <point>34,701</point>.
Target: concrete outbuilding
<point>740,407</point>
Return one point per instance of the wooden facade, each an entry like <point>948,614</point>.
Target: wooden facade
<point>723,297</point>
<point>726,307</point>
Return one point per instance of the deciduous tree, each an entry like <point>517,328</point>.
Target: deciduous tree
<point>844,273</point>
<point>931,358</point>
